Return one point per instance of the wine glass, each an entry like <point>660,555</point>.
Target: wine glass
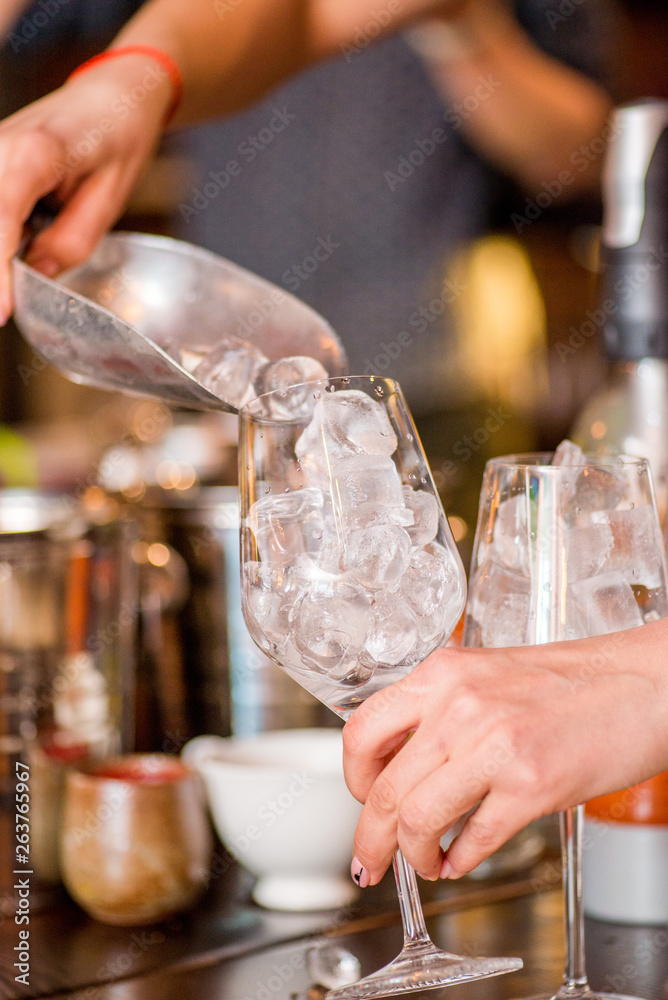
<point>567,546</point>
<point>350,577</point>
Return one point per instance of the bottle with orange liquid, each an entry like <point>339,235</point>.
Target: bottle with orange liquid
<point>625,869</point>
<point>626,854</point>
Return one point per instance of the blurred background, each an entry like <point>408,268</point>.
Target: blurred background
<point>527,287</point>
<point>513,381</point>
<point>510,332</point>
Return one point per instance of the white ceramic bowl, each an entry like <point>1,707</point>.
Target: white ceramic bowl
<point>281,807</point>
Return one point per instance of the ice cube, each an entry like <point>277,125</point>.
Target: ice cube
<point>286,372</point>
<point>425,509</point>
<point>594,488</point>
<point>287,524</point>
<point>368,514</point>
<point>433,588</point>
<point>568,453</point>
<point>331,626</point>
<point>270,603</point>
<point>229,369</point>
<point>596,483</point>
<point>393,630</point>
<point>499,601</point>
<point>604,603</point>
<point>510,539</point>
<point>306,575</point>
<point>365,484</point>
<point>506,620</point>
<point>344,423</point>
<point>190,355</point>
<point>569,456</point>
<point>637,549</point>
<point>428,578</point>
<point>329,552</point>
<point>331,966</point>
<point>587,550</point>
<point>377,556</point>
<point>361,671</point>
<point>433,630</point>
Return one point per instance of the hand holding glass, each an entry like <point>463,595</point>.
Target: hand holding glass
<point>567,546</point>
<point>350,578</point>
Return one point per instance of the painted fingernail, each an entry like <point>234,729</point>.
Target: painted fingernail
<point>45,265</point>
<point>446,869</point>
<point>359,874</point>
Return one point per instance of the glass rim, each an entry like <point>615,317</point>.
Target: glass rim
<point>247,411</point>
<point>592,460</point>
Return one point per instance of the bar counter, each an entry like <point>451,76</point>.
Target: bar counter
<point>229,948</point>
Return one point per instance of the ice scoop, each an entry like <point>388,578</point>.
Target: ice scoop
<point>126,318</point>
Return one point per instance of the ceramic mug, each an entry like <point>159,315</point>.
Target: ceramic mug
<point>136,839</point>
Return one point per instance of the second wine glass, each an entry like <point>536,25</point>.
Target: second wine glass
<point>350,577</point>
<point>567,546</point>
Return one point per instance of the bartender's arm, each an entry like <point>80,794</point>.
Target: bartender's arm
<point>531,111</point>
<point>89,141</point>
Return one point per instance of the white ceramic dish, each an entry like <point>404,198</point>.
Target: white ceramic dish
<point>280,805</point>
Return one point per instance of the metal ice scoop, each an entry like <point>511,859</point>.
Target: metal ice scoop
<point>122,318</point>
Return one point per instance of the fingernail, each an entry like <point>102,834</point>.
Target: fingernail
<point>428,878</point>
<point>359,874</point>
<point>45,265</point>
<point>446,869</point>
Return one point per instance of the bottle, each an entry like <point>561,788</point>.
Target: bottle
<point>631,414</point>
<point>625,872</point>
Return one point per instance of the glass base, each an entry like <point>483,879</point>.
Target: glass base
<point>423,967</point>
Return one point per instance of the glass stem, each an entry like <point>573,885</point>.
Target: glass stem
<point>412,917</point>
<point>571,822</point>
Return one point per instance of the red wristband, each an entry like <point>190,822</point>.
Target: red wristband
<point>167,63</point>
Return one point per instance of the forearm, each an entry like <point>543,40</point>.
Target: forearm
<point>10,12</point>
<point>228,57</point>
<point>525,111</point>
<point>231,52</point>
